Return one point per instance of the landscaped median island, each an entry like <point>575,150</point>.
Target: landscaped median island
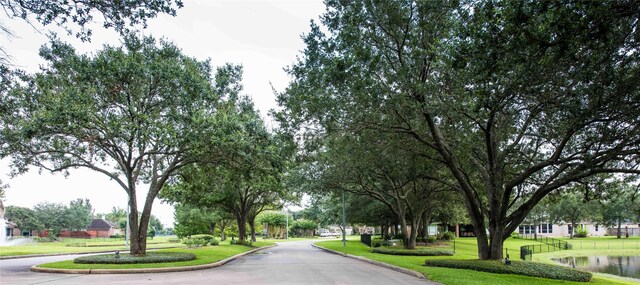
<point>204,255</point>
<point>466,253</point>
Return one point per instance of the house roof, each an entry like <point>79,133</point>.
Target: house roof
<point>101,224</point>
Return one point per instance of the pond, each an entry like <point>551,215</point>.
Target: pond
<point>628,266</point>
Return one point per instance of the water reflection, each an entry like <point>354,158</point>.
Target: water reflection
<point>628,266</point>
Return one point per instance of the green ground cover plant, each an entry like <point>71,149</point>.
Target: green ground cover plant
<point>516,267</point>
<point>466,248</point>
<point>125,258</point>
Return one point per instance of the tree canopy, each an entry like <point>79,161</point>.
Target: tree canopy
<point>119,15</point>
<point>514,99</point>
<point>135,113</point>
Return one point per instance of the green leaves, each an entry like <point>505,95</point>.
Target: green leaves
<point>513,100</point>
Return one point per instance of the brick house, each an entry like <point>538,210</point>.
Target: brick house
<point>101,228</point>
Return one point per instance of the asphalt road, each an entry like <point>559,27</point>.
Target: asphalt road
<point>288,263</point>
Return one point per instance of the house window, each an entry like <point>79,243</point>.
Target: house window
<point>596,227</point>
<point>546,228</point>
<point>526,229</point>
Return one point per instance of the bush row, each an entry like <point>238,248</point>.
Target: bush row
<point>517,267</point>
<point>415,252</point>
<point>125,258</point>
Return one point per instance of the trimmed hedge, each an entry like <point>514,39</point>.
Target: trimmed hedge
<point>125,258</point>
<point>526,268</point>
<point>414,252</point>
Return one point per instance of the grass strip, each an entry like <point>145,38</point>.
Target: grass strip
<point>414,252</point>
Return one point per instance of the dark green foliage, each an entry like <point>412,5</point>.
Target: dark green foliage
<point>514,99</point>
<point>136,113</point>
<point>446,236</point>
<point>414,252</point>
<point>125,258</point>
<point>25,218</point>
<point>119,15</point>
<point>581,232</point>
<point>517,267</point>
<point>200,240</point>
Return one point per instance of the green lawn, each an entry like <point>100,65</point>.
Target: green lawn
<point>74,245</point>
<point>466,248</point>
<point>204,255</point>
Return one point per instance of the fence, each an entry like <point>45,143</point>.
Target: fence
<point>632,232</point>
<point>552,244</point>
<point>547,245</point>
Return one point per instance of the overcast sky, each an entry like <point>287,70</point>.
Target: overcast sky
<point>263,36</point>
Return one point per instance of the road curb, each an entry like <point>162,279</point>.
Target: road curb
<point>35,268</point>
<point>374,262</point>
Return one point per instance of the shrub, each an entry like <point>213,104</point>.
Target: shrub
<point>200,240</point>
<point>431,239</point>
<point>125,258</point>
<point>206,237</point>
<point>239,242</point>
<point>515,235</point>
<point>43,239</point>
<point>414,252</point>
<point>517,267</point>
<point>581,232</point>
<point>446,236</point>
<point>115,236</point>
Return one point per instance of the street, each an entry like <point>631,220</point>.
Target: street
<point>287,263</point>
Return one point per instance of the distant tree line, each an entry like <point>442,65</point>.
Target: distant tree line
<point>53,217</point>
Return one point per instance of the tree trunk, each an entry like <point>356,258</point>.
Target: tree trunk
<point>242,228</point>
<point>573,229</point>
<point>212,228</point>
<point>252,227</point>
<point>222,227</point>
<point>414,234</point>
<point>619,228</point>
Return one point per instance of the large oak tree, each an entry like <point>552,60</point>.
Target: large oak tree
<point>135,114</point>
<point>516,99</point>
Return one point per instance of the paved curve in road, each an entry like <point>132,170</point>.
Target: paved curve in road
<point>288,263</point>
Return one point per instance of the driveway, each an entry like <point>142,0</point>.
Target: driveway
<point>288,263</point>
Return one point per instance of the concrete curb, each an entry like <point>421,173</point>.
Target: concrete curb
<point>35,268</point>
<point>374,262</point>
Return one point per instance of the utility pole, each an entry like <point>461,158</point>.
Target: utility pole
<point>127,234</point>
<point>344,223</point>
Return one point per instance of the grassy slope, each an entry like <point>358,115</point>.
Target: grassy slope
<point>466,248</point>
